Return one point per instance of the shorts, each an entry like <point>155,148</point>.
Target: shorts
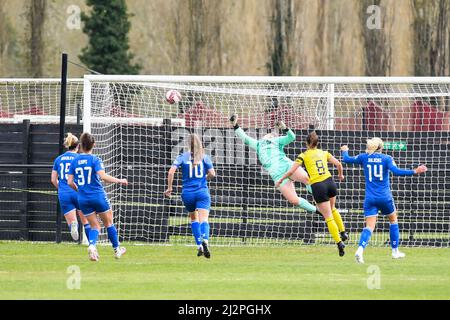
<point>324,190</point>
<point>68,201</point>
<point>279,170</point>
<point>94,203</point>
<point>194,200</point>
<point>372,206</point>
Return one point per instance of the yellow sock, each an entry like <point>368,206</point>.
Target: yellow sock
<point>337,217</point>
<point>333,228</point>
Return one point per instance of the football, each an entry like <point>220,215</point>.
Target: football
<point>173,96</point>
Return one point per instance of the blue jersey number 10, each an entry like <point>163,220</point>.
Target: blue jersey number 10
<point>377,171</point>
<point>196,171</point>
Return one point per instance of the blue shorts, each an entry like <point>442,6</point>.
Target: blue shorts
<point>68,202</point>
<point>94,203</point>
<point>199,199</point>
<point>372,206</point>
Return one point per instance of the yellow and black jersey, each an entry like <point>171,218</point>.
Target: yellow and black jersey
<point>315,162</point>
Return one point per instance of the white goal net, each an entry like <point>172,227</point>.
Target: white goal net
<point>139,135</point>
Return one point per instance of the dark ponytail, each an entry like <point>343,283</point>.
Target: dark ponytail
<point>312,140</point>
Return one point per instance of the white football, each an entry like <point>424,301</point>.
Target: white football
<point>173,96</point>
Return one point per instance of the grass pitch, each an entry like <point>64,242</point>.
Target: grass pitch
<point>42,271</point>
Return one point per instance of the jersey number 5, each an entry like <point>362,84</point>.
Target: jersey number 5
<point>377,172</point>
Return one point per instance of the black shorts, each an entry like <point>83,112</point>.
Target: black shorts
<point>324,190</point>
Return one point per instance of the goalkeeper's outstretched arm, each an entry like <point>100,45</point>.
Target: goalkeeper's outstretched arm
<point>288,137</point>
<point>252,143</point>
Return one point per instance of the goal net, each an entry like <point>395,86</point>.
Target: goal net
<point>139,135</point>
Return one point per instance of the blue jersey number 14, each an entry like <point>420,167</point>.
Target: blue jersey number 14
<point>377,171</point>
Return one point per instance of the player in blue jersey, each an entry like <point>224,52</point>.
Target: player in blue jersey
<point>196,168</point>
<point>85,175</point>
<point>68,199</point>
<point>378,192</point>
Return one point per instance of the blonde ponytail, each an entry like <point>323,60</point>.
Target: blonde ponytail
<point>196,148</point>
<point>71,142</point>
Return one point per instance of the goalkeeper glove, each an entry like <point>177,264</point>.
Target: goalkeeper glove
<point>233,120</point>
<point>282,126</point>
<point>308,188</point>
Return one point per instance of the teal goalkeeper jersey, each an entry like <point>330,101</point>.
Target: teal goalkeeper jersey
<point>270,152</point>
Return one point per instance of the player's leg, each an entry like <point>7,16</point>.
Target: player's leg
<point>321,193</point>
<point>371,214</point>
<point>84,221</point>
<point>190,205</point>
<point>338,218</point>
<point>93,235</point>
<point>71,219</point>
<point>107,219</point>
<point>288,191</point>
<point>68,208</point>
<point>300,175</point>
<point>394,231</point>
<point>203,204</point>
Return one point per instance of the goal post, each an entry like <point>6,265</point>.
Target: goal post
<point>139,134</point>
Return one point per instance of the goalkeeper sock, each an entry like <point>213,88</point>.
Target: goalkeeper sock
<point>304,204</point>
<point>112,236</point>
<point>204,227</point>
<point>394,234</point>
<point>333,228</point>
<point>196,232</point>
<point>365,237</point>
<point>87,230</point>
<point>93,236</point>
<point>337,217</point>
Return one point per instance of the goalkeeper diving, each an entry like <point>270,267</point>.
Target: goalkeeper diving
<point>270,152</point>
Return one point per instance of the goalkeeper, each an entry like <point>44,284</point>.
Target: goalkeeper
<point>272,157</point>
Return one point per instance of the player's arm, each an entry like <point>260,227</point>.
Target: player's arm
<point>99,168</point>
<point>54,178</point>
<point>252,143</point>
<point>170,177</point>
<point>338,165</point>
<point>346,157</point>
<point>211,173</point>
<point>288,135</point>
<point>401,172</point>
<point>70,182</point>
<point>110,179</point>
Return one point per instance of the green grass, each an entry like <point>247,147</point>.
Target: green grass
<point>39,271</point>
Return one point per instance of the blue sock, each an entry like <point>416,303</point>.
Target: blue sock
<point>365,237</point>
<point>93,236</point>
<point>87,230</point>
<point>394,235</point>
<point>196,232</point>
<point>112,236</point>
<point>204,227</point>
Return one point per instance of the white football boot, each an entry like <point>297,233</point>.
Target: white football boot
<point>396,254</point>
<point>120,251</point>
<point>93,253</point>
<point>359,255</point>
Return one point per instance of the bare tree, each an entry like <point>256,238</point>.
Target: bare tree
<point>36,19</point>
<point>282,38</point>
<point>377,48</point>
<point>431,41</point>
